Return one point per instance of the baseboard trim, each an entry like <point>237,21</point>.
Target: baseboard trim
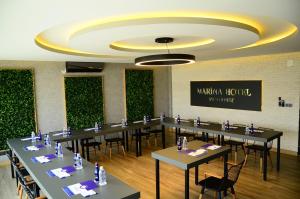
<point>285,151</point>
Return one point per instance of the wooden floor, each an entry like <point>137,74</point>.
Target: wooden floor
<point>140,173</point>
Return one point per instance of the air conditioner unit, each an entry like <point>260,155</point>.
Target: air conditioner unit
<point>84,67</point>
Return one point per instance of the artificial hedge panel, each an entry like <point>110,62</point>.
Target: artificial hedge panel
<point>17,107</point>
<point>139,94</point>
<point>84,101</point>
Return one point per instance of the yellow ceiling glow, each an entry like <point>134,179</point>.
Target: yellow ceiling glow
<point>125,46</point>
<point>67,31</point>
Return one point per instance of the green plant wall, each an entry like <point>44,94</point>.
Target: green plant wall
<point>139,94</point>
<point>17,106</point>
<point>84,101</point>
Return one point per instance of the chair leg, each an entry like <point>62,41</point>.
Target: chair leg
<point>270,158</point>
<point>243,147</point>
<point>26,197</point>
<point>118,147</point>
<point>105,148</point>
<point>148,142</point>
<point>260,161</point>
<point>122,147</point>
<point>110,146</point>
<point>202,192</point>
<point>233,193</point>
<point>216,195</point>
<point>155,140</point>
<point>235,154</point>
<point>18,188</point>
<point>21,193</point>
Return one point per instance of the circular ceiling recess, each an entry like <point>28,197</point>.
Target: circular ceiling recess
<point>128,46</point>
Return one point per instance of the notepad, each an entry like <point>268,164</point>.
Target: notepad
<point>61,172</point>
<point>34,147</point>
<point>213,147</point>
<point>44,158</point>
<point>84,188</point>
<point>197,152</point>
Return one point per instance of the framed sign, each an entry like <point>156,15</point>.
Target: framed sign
<point>243,95</point>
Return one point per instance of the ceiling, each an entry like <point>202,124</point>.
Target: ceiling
<point>120,31</point>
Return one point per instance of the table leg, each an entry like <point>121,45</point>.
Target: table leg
<point>176,135</point>
<point>187,184</point>
<point>157,178</point>
<point>196,175</point>
<point>222,140</point>
<point>87,150</point>
<point>163,136</point>
<point>219,140</point>
<point>265,160</point>
<point>126,141</point>
<point>225,169</point>
<point>278,153</point>
<point>73,147</point>
<point>77,147</point>
<point>136,143</point>
<point>140,142</point>
<point>82,148</point>
<point>203,136</point>
<point>11,164</point>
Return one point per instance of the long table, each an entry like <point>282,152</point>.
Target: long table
<point>180,159</point>
<point>83,135</point>
<point>52,187</point>
<point>239,132</point>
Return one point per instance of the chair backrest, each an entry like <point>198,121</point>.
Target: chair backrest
<point>234,171</point>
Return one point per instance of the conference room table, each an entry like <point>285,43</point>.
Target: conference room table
<point>183,160</point>
<point>52,187</point>
<point>264,136</point>
<point>83,135</point>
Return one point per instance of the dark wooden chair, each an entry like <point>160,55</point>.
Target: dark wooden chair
<point>235,144</point>
<point>144,134</point>
<point>114,139</point>
<point>221,184</point>
<point>92,142</point>
<point>156,133</point>
<point>256,147</point>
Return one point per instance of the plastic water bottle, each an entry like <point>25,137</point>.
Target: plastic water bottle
<point>96,172</point>
<point>198,121</point>
<point>33,138</point>
<point>145,119</point>
<point>102,176</point>
<point>227,125</point>
<point>162,117</point>
<point>60,150</point>
<point>56,148</point>
<point>179,144</point>
<point>75,160</point>
<point>178,119</point>
<point>96,126</point>
<point>40,135</point>
<point>184,143</point>
<point>223,126</point>
<point>252,128</point>
<point>247,130</point>
<point>46,140</point>
<point>79,161</point>
<point>99,125</point>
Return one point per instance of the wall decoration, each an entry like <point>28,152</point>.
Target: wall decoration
<point>139,94</point>
<point>17,105</point>
<point>84,101</point>
<point>244,95</point>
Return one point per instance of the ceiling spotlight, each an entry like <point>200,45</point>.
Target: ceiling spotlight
<point>165,59</point>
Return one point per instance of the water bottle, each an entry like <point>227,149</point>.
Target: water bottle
<point>75,160</point>
<point>145,119</point>
<point>33,139</point>
<point>162,117</point>
<point>184,143</point>
<point>96,126</point>
<point>102,176</point>
<point>227,125</point>
<point>56,148</point>
<point>96,172</point>
<point>179,144</point>
<point>198,121</point>
<point>79,161</point>
<point>178,119</point>
<point>46,140</point>
<point>247,130</point>
<point>252,128</point>
<point>99,125</point>
<point>60,150</point>
<point>223,126</point>
<point>40,135</point>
